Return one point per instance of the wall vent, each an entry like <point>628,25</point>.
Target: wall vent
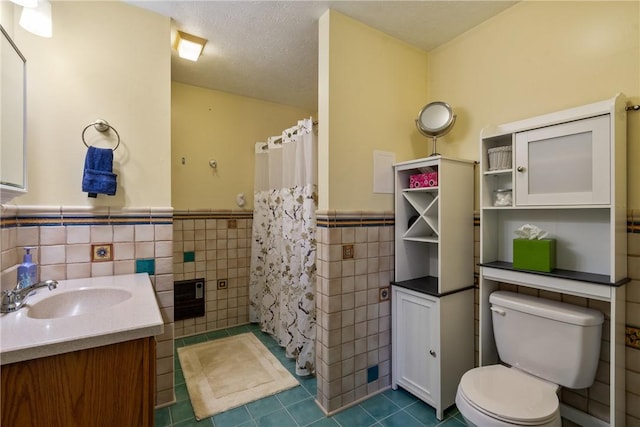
<point>188,299</point>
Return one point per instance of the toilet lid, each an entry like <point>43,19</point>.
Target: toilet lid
<point>510,395</point>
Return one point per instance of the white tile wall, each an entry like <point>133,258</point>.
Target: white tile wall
<point>220,253</point>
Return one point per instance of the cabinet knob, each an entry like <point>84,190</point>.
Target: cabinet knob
<point>432,353</point>
<point>520,168</point>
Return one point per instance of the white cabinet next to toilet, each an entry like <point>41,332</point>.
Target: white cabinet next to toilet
<point>432,295</point>
<point>415,343</point>
<point>432,344</point>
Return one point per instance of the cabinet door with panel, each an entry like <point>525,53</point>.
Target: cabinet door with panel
<point>564,164</point>
<point>432,344</point>
<point>111,385</point>
<point>415,344</point>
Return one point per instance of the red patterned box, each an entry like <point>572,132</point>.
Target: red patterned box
<point>422,180</point>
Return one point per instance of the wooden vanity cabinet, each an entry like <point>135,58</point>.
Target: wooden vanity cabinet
<point>112,385</point>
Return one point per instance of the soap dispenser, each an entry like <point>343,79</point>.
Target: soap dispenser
<point>27,271</point>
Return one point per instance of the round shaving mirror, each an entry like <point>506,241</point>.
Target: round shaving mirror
<point>435,120</point>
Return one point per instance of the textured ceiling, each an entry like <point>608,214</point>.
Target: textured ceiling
<point>269,49</point>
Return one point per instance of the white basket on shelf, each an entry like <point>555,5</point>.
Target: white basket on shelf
<point>499,158</point>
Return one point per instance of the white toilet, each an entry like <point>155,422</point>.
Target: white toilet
<point>547,344</point>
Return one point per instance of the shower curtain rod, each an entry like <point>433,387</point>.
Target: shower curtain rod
<point>279,140</point>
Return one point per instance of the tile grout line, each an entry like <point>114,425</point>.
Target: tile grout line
<point>411,415</point>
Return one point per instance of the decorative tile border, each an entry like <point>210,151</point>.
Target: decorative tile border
<point>24,216</point>
<point>323,219</point>
<point>334,219</point>
<point>28,216</point>
<point>213,214</point>
<point>8,222</point>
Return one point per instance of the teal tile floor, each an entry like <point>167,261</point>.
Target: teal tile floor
<point>296,407</point>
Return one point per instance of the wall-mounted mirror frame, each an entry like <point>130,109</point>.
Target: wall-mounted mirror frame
<point>13,146</point>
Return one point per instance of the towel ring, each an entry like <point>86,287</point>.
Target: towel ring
<point>101,126</point>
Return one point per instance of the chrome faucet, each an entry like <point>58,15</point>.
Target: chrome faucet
<point>14,299</point>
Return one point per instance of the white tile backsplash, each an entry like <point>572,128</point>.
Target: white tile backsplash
<point>52,255</point>
<point>123,251</point>
<point>78,271</point>
<point>53,272</point>
<point>144,250</point>
<point>101,233</point>
<point>124,267</point>
<point>144,232</point>
<point>78,253</point>
<point>28,236</point>
<point>164,249</point>
<point>102,269</point>
<point>53,235</point>
<point>163,232</point>
<point>78,234</point>
<point>123,233</point>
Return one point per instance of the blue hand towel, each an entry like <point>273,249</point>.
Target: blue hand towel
<point>98,176</point>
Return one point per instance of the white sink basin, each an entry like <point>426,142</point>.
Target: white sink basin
<point>76,302</point>
<point>80,314</point>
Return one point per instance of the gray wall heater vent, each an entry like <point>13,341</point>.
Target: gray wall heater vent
<point>188,299</point>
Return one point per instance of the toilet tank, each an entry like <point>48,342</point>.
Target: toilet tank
<point>552,340</point>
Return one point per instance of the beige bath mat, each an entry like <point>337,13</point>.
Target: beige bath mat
<point>230,372</point>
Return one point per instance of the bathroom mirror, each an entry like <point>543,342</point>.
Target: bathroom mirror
<point>13,176</point>
<point>435,120</point>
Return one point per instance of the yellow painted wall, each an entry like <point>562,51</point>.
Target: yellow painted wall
<point>536,58</point>
<point>371,87</point>
<point>105,60</point>
<point>213,125</point>
<point>7,11</point>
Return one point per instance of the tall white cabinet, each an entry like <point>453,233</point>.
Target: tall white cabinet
<point>432,294</point>
<point>564,172</point>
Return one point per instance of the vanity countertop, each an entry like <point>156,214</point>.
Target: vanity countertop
<point>134,314</point>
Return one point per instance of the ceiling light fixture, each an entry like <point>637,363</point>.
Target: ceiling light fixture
<point>36,20</point>
<point>189,46</point>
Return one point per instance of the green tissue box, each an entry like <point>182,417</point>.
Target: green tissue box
<point>536,255</point>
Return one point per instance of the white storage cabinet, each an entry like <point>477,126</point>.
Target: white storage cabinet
<point>432,294</point>
<point>432,344</point>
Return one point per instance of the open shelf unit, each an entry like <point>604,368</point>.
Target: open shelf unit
<point>425,227</point>
<point>434,225</point>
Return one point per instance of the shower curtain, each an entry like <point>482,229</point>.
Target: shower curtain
<point>283,249</point>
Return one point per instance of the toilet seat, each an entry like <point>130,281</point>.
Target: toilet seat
<point>510,395</point>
